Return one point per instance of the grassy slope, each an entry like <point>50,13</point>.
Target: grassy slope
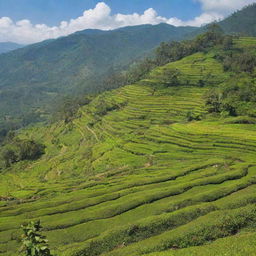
<point>130,176</point>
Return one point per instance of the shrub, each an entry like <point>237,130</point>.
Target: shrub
<point>9,157</point>
<point>30,150</point>
<point>192,116</point>
<point>19,150</point>
<point>34,243</point>
<point>228,43</point>
<point>170,77</point>
<point>67,108</point>
<point>237,97</point>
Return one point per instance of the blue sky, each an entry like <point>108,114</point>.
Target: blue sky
<point>51,12</point>
<point>31,21</point>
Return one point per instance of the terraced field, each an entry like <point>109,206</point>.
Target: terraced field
<point>245,42</point>
<point>131,176</point>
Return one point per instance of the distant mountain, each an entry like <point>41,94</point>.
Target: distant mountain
<point>34,75</point>
<point>31,77</point>
<point>8,46</point>
<point>242,22</point>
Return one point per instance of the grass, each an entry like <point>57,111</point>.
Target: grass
<point>131,176</point>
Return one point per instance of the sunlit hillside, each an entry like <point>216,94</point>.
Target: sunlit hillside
<point>143,169</point>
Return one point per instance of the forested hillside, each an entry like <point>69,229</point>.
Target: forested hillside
<point>153,168</point>
<point>242,22</point>
<point>32,77</point>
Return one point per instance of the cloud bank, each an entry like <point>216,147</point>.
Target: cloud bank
<point>100,17</point>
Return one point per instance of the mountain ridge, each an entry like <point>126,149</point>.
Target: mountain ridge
<point>33,77</point>
<point>40,72</point>
<point>9,46</point>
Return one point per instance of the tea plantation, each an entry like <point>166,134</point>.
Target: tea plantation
<point>133,174</point>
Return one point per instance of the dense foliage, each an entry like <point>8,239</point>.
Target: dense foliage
<point>67,107</point>
<point>235,97</point>
<point>17,150</point>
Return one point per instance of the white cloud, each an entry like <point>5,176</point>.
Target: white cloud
<point>203,19</point>
<point>100,17</point>
<point>219,9</point>
<point>215,10</point>
<point>223,7</point>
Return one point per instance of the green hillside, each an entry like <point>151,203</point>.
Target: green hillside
<point>141,170</point>
<point>32,77</point>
